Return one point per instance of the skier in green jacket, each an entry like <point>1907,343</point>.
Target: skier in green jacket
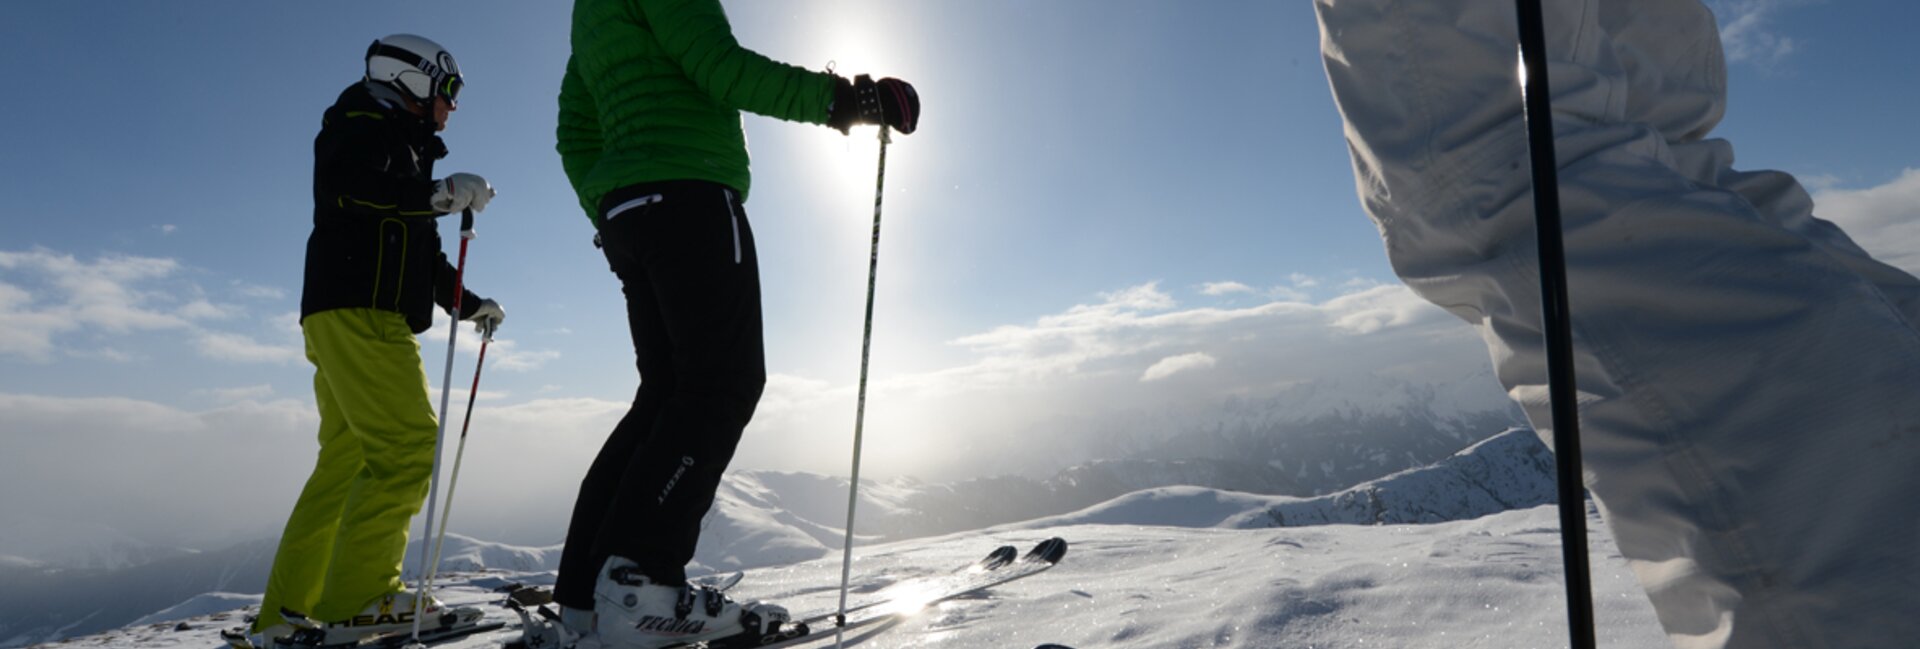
<point>650,137</point>
<point>374,272</point>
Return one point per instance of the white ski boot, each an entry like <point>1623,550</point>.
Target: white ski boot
<point>633,612</point>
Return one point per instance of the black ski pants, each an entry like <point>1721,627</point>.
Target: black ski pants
<point>686,262</point>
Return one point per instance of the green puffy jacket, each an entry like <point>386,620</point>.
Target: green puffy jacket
<point>654,92</point>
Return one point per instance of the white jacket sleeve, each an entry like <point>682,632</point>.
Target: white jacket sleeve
<point>1747,374</point>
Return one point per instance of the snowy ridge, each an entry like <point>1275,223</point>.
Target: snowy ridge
<point>61,544</point>
<point>465,554</point>
<point>1511,470</point>
<point>1322,436</point>
<point>766,520</point>
<point>200,605</point>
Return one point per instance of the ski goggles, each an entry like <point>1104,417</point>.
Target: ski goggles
<point>449,88</point>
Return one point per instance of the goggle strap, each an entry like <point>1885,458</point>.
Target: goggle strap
<point>404,56</point>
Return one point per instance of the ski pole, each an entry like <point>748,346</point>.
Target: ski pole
<point>433,488</point>
<point>860,408</point>
<point>460,450</point>
<point>1557,321</point>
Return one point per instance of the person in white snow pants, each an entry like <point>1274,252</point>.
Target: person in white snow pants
<point>1749,379</point>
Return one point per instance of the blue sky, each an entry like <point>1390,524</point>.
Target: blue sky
<point>1112,208</point>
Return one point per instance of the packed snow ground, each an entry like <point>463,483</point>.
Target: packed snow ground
<point>1491,582</point>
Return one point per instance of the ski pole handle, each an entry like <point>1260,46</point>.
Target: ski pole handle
<point>466,223</point>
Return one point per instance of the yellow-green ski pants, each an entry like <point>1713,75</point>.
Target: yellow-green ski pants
<point>347,535</point>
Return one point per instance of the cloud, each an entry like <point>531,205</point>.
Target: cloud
<point>155,471</point>
<point>245,393</point>
<point>239,348</point>
<point>201,309</point>
<point>1884,219</point>
<point>1745,34</point>
<point>256,291</point>
<point>1224,288</point>
<point>108,354</point>
<point>25,332</point>
<point>1379,307</point>
<point>1295,291</point>
<point>1104,365</point>
<point>513,359</point>
<point>46,296</point>
<point>179,475</point>
<point>503,353</point>
<point>1172,365</point>
<point>99,294</point>
<point>523,464</point>
<point>1142,319</point>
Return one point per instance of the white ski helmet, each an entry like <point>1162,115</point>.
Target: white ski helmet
<point>415,66</point>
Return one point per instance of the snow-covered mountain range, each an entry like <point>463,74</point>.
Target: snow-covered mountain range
<point>1164,567</point>
<point>767,519</point>
<point>55,544</point>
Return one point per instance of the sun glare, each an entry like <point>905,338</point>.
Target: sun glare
<point>907,599</point>
<point>845,167</point>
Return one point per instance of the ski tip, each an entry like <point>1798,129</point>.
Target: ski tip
<point>1050,550</point>
<point>1053,646</point>
<point>999,557</point>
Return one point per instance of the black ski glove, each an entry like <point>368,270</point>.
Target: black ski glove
<point>888,101</point>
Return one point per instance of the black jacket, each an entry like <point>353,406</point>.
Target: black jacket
<point>376,241</point>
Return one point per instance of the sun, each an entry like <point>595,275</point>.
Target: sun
<point>845,165</point>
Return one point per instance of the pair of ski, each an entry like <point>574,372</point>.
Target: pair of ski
<point>893,603</point>
<point>308,634</point>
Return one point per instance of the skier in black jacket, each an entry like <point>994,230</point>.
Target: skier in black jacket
<point>374,270</point>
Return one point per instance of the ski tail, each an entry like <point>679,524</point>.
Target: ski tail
<point>1050,551</point>
<point>998,558</point>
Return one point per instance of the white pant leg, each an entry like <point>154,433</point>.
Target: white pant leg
<point>1748,406</point>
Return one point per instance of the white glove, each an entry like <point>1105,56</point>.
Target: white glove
<point>461,191</point>
<point>487,318</point>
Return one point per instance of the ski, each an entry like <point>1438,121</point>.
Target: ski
<point>452,625</point>
<point>238,638</point>
<point>904,599</point>
<point>999,558</point>
<point>1004,564</point>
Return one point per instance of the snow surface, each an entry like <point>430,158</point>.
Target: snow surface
<point>1165,577</point>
